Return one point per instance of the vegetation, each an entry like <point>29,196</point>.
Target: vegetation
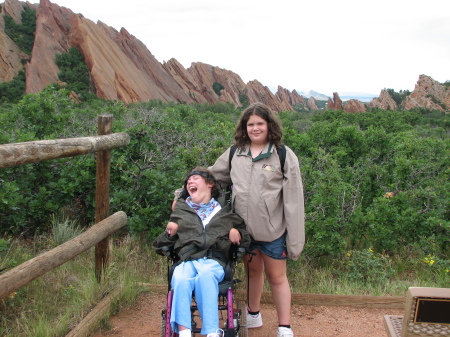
<point>244,100</point>
<point>217,87</point>
<point>74,72</point>
<point>398,97</point>
<point>13,92</point>
<point>376,190</point>
<point>22,33</point>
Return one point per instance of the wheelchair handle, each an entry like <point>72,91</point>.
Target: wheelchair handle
<point>165,250</point>
<point>240,252</point>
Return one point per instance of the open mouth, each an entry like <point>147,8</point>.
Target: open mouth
<point>192,189</point>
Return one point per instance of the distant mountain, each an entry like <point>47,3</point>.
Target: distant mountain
<point>360,96</point>
<point>315,94</point>
<point>345,96</point>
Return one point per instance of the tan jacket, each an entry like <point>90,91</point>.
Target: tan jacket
<point>269,202</point>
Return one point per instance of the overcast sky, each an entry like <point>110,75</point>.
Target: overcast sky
<point>323,45</point>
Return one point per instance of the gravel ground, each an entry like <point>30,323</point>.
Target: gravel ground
<point>144,319</point>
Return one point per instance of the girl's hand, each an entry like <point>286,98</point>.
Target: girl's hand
<point>235,236</point>
<point>172,228</point>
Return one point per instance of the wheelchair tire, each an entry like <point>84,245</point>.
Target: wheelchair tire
<point>243,329</point>
<point>163,327</point>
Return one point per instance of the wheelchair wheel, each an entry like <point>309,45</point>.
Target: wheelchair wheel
<point>242,320</point>
<point>166,329</point>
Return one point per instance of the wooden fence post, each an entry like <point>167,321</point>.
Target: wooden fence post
<point>102,194</point>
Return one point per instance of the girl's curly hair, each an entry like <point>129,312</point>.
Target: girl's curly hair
<point>275,132</point>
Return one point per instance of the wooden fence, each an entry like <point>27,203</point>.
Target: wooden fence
<point>105,225</point>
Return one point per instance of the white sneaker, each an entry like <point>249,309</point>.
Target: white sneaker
<point>218,333</point>
<point>285,332</point>
<point>254,321</point>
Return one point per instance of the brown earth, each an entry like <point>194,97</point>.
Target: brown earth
<point>144,319</point>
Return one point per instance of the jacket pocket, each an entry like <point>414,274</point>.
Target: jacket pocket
<point>272,213</point>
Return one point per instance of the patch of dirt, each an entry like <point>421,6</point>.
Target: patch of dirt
<point>144,319</point>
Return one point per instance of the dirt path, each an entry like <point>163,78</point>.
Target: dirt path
<point>144,319</point>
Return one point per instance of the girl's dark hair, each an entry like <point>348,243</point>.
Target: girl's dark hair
<point>209,178</point>
<point>275,132</point>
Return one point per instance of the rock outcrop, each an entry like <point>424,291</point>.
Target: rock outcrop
<point>293,98</point>
<point>10,55</point>
<point>353,106</point>
<point>122,68</point>
<point>335,103</point>
<point>384,101</point>
<point>312,104</point>
<point>259,93</point>
<point>52,37</point>
<point>429,94</point>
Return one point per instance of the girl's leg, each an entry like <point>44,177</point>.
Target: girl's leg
<point>281,290</point>
<point>209,274</point>
<point>255,279</point>
<point>182,284</point>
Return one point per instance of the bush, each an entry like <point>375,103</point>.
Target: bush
<point>366,267</point>
<point>22,34</point>
<point>378,179</point>
<point>74,71</point>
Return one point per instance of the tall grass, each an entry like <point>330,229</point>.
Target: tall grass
<point>53,304</point>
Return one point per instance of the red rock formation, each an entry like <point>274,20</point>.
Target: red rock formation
<point>290,97</point>
<point>384,101</point>
<point>353,105</point>
<point>51,38</point>
<point>430,94</point>
<point>122,68</point>
<point>14,9</point>
<point>206,75</point>
<point>259,93</point>
<point>10,55</point>
<point>184,78</point>
<point>335,103</point>
<point>160,83</point>
<point>312,104</point>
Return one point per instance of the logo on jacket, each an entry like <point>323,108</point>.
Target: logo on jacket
<point>268,168</point>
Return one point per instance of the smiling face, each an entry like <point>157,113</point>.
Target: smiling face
<point>257,130</point>
<point>198,189</point>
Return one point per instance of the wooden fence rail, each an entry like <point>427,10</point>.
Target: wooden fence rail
<point>32,269</point>
<point>36,151</point>
<point>31,152</point>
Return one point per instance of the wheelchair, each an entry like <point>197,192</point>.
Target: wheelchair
<point>232,314</point>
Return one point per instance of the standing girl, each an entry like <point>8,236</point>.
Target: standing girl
<point>268,195</point>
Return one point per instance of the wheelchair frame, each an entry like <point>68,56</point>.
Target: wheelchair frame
<point>232,315</point>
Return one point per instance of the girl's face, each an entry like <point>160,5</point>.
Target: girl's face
<point>257,130</point>
<point>199,189</point>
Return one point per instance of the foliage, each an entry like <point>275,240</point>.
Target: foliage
<point>64,228</point>
<point>73,71</point>
<point>244,100</point>
<point>14,90</point>
<point>375,180</point>
<point>398,97</point>
<point>55,303</point>
<point>217,87</point>
<point>366,267</point>
<point>22,33</point>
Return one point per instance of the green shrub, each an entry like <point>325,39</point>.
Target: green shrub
<point>13,91</point>
<point>366,267</point>
<point>217,87</point>
<point>74,71</point>
<point>23,33</point>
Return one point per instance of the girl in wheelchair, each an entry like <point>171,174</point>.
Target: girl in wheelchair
<point>201,230</point>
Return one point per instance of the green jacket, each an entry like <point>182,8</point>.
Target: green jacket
<point>193,241</point>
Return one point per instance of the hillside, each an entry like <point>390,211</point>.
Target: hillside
<point>122,68</point>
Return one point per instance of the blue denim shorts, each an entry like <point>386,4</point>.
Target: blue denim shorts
<point>274,249</point>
